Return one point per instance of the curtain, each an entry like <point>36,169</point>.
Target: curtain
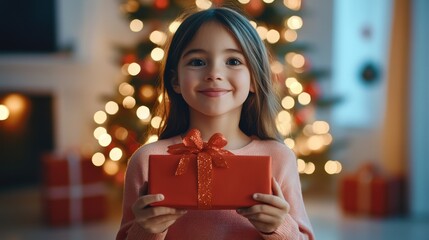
<point>395,133</point>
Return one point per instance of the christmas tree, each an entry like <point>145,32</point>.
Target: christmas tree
<point>123,124</point>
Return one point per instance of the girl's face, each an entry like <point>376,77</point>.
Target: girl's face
<point>213,76</point>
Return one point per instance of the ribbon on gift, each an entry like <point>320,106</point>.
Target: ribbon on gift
<point>208,154</point>
<point>365,176</point>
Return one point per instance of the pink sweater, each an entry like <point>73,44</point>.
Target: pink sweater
<point>219,224</point>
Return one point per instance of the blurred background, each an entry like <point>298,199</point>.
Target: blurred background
<point>78,82</point>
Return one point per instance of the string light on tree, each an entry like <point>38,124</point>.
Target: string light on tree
<point>4,112</point>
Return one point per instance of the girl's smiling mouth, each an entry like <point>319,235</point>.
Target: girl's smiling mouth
<point>214,92</point>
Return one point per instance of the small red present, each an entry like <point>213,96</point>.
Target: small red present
<point>372,193</point>
<point>202,175</point>
<point>348,194</point>
<point>73,190</point>
<point>388,196</point>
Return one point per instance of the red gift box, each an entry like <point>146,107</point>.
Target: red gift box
<point>232,187</point>
<point>73,190</point>
<point>369,192</point>
<point>204,176</point>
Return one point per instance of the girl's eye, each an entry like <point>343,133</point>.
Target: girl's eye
<point>196,63</point>
<point>233,61</point>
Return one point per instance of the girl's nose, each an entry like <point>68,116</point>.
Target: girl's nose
<point>214,72</point>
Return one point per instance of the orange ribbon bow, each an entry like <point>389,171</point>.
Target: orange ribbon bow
<point>208,154</point>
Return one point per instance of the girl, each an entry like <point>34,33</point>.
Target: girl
<point>217,78</point>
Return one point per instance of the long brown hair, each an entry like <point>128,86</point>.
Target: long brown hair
<point>260,108</point>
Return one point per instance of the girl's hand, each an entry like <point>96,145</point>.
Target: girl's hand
<point>269,215</point>
<point>154,219</point>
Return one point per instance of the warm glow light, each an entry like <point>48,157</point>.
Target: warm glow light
<point>151,139</point>
<point>262,32</point>
<point>143,112</point>
<point>126,89</point>
<point>308,130</point>
<point>273,36</point>
<point>309,168</point>
<point>129,102</point>
<point>99,131</point>
<point>304,98</point>
<point>104,140</point>
<point>289,57</point>
<point>4,112</point>
<point>330,167</point>
<point>290,35</point>
<point>283,122</point>
<point>315,142</point>
<point>295,88</point>
<point>284,116</point>
<point>111,168</point>
<point>254,24</point>
<point>301,165</point>
<point>100,117</point>
<point>121,133</point>
<point>174,26</point>
<point>136,25</point>
<point>160,97</point>
<point>289,142</point>
<point>244,1</point>
<point>339,166</point>
<point>156,122</point>
<point>16,104</point>
<point>134,69</point>
<point>292,4</point>
<point>294,22</point>
<point>298,61</point>
<point>289,81</point>
<point>147,91</point>
<point>303,149</point>
<point>327,138</point>
<point>268,1</point>
<point>131,6</point>
<point>284,128</point>
<point>111,107</point>
<point>115,154</point>
<point>320,127</point>
<point>158,37</point>
<point>333,167</point>
<point>98,159</point>
<point>157,54</point>
<point>288,102</point>
<point>124,69</point>
<point>203,4</point>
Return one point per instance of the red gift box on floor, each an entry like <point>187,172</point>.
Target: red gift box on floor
<point>369,192</point>
<point>73,190</point>
<point>204,176</point>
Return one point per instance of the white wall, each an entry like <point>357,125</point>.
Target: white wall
<point>361,32</point>
<point>333,30</point>
<point>79,80</point>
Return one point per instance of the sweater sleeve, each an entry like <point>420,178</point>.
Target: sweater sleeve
<point>297,224</point>
<point>133,187</point>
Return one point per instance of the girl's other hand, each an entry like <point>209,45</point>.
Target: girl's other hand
<point>269,215</point>
<point>154,219</point>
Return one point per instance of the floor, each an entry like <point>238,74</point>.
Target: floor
<point>21,218</point>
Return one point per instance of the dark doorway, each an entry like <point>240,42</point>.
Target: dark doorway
<point>24,136</point>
